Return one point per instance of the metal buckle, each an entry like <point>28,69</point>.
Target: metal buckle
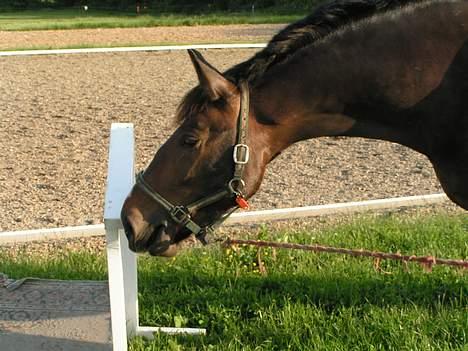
<point>180,215</point>
<point>244,157</point>
<point>238,189</point>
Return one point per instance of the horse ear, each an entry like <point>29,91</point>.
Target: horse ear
<point>211,80</point>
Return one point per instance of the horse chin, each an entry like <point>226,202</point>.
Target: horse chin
<point>169,251</point>
<point>161,244</point>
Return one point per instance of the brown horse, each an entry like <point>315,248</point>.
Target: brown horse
<point>383,69</point>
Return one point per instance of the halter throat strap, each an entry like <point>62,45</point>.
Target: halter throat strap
<point>182,215</point>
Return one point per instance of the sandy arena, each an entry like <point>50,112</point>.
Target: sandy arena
<point>55,116</point>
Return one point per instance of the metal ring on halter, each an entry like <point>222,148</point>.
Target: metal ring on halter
<point>236,191</point>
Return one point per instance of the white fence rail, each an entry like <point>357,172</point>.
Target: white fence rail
<point>239,218</point>
<point>131,49</point>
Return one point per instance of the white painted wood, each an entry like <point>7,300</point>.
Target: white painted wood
<point>51,233</point>
<point>130,285</point>
<point>131,49</point>
<point>347,207</point>
<point>116,290</point>
<point>120,177</point>
<point>148,332</point>
<point>241,217</point>
<point>122,263</point>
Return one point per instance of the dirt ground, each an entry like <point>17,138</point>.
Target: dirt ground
<point>55,116</point>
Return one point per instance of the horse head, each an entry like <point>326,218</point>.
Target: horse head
<point>211,165</point>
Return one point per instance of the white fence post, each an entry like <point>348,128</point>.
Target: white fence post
<point>122,263</point>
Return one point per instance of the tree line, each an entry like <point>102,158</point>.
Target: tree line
<point>164,5</point>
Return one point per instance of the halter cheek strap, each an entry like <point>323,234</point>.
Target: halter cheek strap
<point>182,215</point>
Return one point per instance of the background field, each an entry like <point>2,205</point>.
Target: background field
<point>305,301</point>
<point>47,19</point>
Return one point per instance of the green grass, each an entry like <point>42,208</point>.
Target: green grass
<point>77,19</point>
<point>306,301</point>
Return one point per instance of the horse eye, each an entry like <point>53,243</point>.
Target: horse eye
<point>190,141</point>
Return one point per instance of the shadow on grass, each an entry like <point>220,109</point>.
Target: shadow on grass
<point>184,289</point>
<point>306,311</point>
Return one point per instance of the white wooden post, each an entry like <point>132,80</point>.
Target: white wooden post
<point>122,263</point>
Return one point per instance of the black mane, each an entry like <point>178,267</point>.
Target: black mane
<point>324,20</point>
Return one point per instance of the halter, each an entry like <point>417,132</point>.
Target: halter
<point>182,215</point>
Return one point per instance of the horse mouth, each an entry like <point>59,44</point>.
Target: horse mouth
<point>161,244</point>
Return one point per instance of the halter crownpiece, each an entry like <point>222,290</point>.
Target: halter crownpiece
<point>182,215</point>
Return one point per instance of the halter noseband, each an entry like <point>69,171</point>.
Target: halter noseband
<point>182,215</point>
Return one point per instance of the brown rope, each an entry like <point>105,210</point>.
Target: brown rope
<point>426,261</point>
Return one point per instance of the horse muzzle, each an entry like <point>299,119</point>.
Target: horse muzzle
<point>153,239</point>
<point>160,243</point>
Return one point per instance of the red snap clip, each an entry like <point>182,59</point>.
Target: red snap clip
<point>242,203</point>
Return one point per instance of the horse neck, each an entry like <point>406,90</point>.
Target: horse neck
<point>352,86</point>
<point>303,99</point>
